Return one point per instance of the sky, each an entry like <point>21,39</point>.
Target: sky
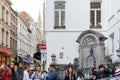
<point>33,7</point>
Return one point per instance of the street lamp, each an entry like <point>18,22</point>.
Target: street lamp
<point>53,57</point>
<point>118,50</point>
<point>76,63</point>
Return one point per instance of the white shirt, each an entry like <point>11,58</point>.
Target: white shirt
<point>37,77</point>
<point>80,78</point>
<point>26,75</point>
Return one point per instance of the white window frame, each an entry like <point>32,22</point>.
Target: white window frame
<point>59,26</point>
<point>95,17</point>
<point>95,12</point>
<point>112,42</point>
<point>59,10</point>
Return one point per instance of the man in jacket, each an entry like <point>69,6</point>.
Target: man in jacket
<point>52,75</point>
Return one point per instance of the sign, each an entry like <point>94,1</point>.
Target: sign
<point>43,46</point>
<point>61,54</point>
<point>43,56</point>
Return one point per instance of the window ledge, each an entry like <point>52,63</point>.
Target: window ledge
<point>59,27</point>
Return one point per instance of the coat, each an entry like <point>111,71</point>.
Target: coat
<point>6,74</point>
<point>17,76</point>
<point>52,75</point>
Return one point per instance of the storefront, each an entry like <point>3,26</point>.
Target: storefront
<point>24,61</point>
<point>5,55</point>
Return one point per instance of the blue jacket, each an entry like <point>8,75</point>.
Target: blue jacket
<point>52,75</point>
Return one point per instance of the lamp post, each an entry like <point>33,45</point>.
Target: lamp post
<point>53,57</point>
<point>75,63</point>
<point>118,53</point>
<point>118,50</point>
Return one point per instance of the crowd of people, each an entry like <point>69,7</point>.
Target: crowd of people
<point>15,72</point>
<point>101,72</point>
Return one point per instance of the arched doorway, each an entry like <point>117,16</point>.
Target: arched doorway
<point>88,40</point>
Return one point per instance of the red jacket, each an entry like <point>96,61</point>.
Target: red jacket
<point>6,74</point>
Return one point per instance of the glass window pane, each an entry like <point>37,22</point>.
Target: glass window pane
<point>62,18</point>
<point>98,16</point>
<point>56,18</point>
<point>95,5</point>
<point>98,19</point>
<point>92,18</point>
<point>59,4</point>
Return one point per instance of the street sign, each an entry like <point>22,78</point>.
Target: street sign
<point>43,56</point>
<point>43,46</point>
<point>61,54</point>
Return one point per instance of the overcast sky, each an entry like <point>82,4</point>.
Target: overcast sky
<point>31,6</point>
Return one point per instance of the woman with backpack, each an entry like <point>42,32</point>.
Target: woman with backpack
<point>37,75</point>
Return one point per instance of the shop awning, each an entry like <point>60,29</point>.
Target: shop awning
<point>6,51</point>
<point>25,59</point>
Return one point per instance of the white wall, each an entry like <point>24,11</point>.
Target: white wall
<point>114,26</point>
<point>56,41</point>
<point>77,18</point>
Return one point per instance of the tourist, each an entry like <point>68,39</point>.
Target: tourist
<point>37,75</point>
<point>16,75</point>
<point>80,75</point>
<point>69,74</point>
<point>52,75</point>
<point>25,73</point>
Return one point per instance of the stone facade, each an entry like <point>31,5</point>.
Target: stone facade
<point>5,31</point>
<point>13,31</point>
<point>91,40</point>
<point>26,40</point>
<point>5,23</point>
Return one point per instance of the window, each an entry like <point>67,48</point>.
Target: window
<point>7,15</point>
<point>59,14</point>
<point>11,16</point>
<point>7,35</point>
<point>10,43</point>
<point>16,46</point>
<point>3,13</point>
<point>95,15</point>
<point>112,42</point>
<point>20,45</point>
<point>3,35</point>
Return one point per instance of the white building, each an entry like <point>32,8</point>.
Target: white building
<point>65,20</point>
<point>113,28</point>
<point>26,39</point>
